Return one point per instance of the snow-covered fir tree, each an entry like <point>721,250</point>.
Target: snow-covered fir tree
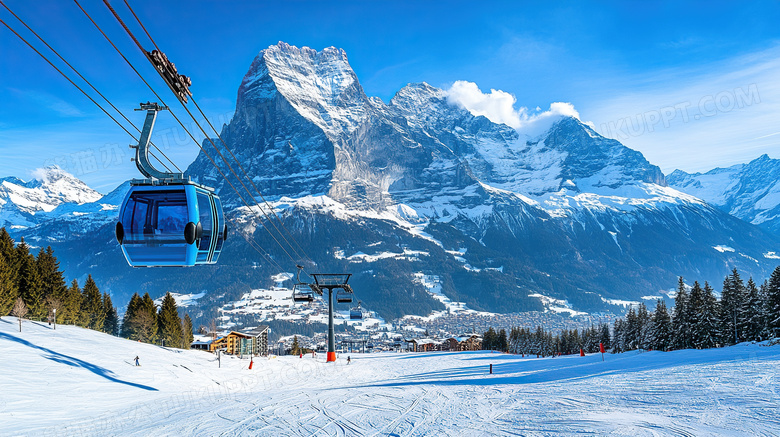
<point>708,328</point>
<point>662,327</point>
<point>753,309</point>
<point>731,307</point>
<point>772,306</point>
<point>681,324</point>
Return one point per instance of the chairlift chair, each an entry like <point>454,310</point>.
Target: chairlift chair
<point>343,297</point>
<point>302,293</point>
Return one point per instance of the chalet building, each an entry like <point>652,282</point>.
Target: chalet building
<point>253,342</point>
<point>471,342</point>
<point>427,345</point>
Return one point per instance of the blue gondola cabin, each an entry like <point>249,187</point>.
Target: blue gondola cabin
<point>178,225</point>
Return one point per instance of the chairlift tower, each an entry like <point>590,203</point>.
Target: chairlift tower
<point>331,282</point>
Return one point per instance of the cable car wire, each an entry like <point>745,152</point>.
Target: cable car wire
<point>252,243</point>
<point>180,122</point>
<point>77,87</point>
<point>142,26</point>
<point>205,134</point>
<point>241,167</point>
<point>138,44</point>
<point>93,88</point>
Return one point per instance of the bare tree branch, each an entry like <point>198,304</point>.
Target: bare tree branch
<point>19,310</point>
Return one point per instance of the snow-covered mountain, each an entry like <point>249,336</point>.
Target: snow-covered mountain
<point>568,204</point>
<point>55,206</point>
<point>21,201</point>
<point>749,191</point>
<point>421,186</point>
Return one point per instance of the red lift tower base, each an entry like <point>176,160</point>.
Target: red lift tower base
<point>331,356</point>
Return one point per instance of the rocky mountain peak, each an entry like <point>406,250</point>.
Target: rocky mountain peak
<point>51,187</point>
<point>601,161</point>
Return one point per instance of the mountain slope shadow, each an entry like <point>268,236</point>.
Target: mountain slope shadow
<point>74,362</point>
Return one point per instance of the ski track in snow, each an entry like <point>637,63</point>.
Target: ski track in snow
<point>78,382</point>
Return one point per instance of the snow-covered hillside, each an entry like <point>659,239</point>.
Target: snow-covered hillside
<point>74,381</point>
<point>749,191</point>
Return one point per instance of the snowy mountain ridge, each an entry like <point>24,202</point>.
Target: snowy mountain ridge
<point>749,191</point>
<point>55,206</point>
<point>52,187</point>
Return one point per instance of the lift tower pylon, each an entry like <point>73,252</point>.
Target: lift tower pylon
<point>331,282</point>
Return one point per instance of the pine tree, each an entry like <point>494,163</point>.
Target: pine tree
<point>501,341</point>
<point>772,305</point>
<point>71,306</point>
<point>489,339</point>
<point>8,251</point>
<point>753,310</point>
<point>111,323</point>
<point>591,340</point>
<point>147,319</point>
<point>8,293</point>
<point>681,325</point>
<point>631,331</point>
<point>296,349</point>
<point>186,327</point>
<point>29,282</point>
<point>128,325</point>
<point>539,342</point>
<point>645,327</point>
<point>694,310</point>
<point>169,323</point>
<point>708,326</point>
<point>662,327</point>
<point>731,303</point>
<point>763,293</point>
<point>618,337</point>
<point>92,305</point>
<point>605,336</point>
<point>51,277</point>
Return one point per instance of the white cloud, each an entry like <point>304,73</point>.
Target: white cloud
<point>499,107</point>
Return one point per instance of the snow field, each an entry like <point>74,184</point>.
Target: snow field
<point>78,382</point>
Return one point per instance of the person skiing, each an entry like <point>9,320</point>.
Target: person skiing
<point>349,360</point>
<point>136,361</point>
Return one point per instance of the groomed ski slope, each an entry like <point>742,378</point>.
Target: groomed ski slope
<point>73,381</point>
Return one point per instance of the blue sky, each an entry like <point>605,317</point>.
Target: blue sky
<point>691,85</point>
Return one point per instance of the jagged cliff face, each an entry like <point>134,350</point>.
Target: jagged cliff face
<point>497,215</point>
<point>304,126</point>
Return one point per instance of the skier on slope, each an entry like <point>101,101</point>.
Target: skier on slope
<point>349,359</point>
<point>136,361</point>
